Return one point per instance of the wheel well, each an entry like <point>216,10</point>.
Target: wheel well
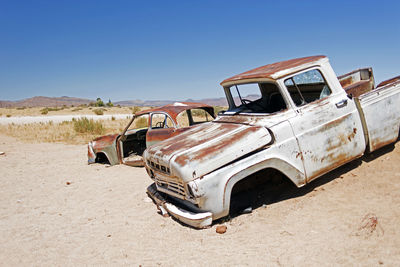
<point>101,158</point>
<point>262,187</point>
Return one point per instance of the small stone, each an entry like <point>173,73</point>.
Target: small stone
<point>247,210</point>
<point>68,183</point>
<point>221,229</point>
<point>2,153</point>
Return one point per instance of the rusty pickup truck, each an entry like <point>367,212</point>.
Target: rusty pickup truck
<point>295,118</point>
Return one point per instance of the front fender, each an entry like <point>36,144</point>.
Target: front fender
<point>215,188</point>
<point>106,145</point>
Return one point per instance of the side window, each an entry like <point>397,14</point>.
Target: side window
<point>160,121</point>
<point>245,93</point>
<point>140,122</point>
<point>200,115</point>
<point>307,87</point>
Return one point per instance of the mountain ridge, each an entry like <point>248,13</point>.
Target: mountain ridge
<point>44,101</point>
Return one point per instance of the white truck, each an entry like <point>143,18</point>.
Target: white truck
<point>295,118</point>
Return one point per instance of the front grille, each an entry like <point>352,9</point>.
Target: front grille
<point>172,185</point>
<point>158,167</point>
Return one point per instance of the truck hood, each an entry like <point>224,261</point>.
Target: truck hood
<point>207,147</point>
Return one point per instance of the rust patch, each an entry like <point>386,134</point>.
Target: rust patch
<point>300,154</point>
<point>194,137</point>
<point>201,154</point>
<point>359,88</point>
<point>173,110</point>
<point>392,80</point>
<point>347,81</point>
<point>104,141</point>
<point>339,159</point>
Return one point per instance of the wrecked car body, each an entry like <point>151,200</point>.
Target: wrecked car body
<point>146,128</point>
<point>294,118</point>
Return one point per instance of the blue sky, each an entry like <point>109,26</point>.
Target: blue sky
<point>175,50</point>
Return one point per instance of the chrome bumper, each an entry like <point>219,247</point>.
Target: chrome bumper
<point>196,220</point>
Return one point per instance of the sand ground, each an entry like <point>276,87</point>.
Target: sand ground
<point>56,210</point>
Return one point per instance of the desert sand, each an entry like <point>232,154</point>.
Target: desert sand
<point>56,210</point>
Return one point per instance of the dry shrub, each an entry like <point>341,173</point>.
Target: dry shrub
<point>8,115</point>
<point>98,111</point>
<point>135,109</point>
<point>55,109</point>
<point>84,126</point>
<point>44,111</point>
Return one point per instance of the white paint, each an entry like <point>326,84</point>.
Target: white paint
<point>178,104</point>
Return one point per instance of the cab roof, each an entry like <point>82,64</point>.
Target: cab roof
<point>174,109</point>
<point>275,70</point>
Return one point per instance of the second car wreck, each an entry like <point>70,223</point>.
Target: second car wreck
<point>154,125</point>
<point>294,118</point>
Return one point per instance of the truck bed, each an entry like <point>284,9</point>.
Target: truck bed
<point>380,113</point>
<point>357,82</point>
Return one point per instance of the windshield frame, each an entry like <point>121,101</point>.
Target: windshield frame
<point>241,108</point>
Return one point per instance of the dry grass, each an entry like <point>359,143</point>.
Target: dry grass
<point>60,132</point>
<point>65,132</point>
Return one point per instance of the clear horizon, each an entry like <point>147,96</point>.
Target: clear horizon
<point>157,50</point>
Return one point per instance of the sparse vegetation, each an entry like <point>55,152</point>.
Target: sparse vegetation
<point>98,103</point>
<point>135,109</point>
<point>110,104</point>
<point>61,132</point>
<point>21,108</point>
<point>218,109</point>
<point>46,110</point>
<point>84,125</point>
<point>8,115</point>
<point>81,109</point>
<point>141,122</point>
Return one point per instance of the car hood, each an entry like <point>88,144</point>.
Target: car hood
<point>207,147</point>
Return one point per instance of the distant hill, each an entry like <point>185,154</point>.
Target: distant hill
<point>43,101</point>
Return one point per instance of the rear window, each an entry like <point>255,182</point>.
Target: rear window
<point>307,87</point>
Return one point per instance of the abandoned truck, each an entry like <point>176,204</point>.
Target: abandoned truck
<point>295,118</point>
<point>147,127</point>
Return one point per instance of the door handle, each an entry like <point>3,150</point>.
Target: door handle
<point>341,104</point>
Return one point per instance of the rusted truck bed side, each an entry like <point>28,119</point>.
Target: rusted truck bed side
<point>357,82</point>
<point>380,114</point>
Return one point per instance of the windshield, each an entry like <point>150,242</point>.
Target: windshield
<point>256,98</point>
